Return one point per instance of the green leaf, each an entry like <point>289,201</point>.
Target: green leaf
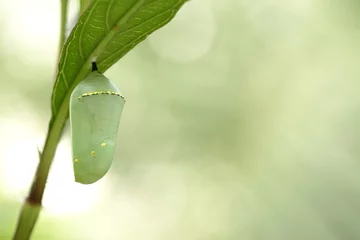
<point>106,31</point>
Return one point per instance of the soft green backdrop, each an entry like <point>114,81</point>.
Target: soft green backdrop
<point>242,121</point>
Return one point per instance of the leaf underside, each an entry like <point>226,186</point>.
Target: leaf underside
<point>105,32</point>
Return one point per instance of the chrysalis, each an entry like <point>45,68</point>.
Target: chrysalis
<point>96,105</point>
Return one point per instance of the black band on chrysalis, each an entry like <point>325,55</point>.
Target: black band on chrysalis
<point>94,67</point>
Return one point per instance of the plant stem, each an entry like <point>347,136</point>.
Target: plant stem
<point>31,208</point>
<point>29,214</point>
<point>64,8</point>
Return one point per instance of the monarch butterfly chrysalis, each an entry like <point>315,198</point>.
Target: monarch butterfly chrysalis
<point>96,105</point>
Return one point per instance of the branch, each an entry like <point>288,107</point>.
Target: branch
<point>31,208</point>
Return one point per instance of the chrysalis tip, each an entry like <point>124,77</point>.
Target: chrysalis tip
<point>94,67</point>
<point>88,178</point>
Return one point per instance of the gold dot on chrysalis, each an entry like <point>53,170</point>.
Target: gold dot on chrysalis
<point>76,160</point>
<point>92,153</point>
<point>103,144</point>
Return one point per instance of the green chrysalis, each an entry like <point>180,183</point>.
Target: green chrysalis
<point>96,105</point>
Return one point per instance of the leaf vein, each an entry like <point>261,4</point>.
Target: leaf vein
<point>107,15</point>
<point>65,80</point>
<point>142,35</point>
<point>82,31</point>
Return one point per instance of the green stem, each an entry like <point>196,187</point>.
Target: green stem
<point>64,8</point>
<point>29,214</point>
<point>31,208</point>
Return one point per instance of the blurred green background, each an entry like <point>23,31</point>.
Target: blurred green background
<point>242,121</point>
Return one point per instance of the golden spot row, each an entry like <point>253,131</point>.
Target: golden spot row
<point>100,93</point>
